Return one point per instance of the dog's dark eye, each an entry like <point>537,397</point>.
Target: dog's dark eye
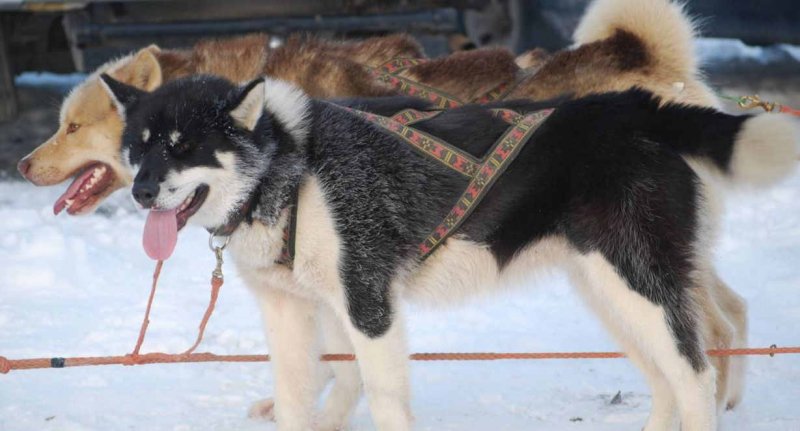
<point>73,127</point>
<point>180,147</point>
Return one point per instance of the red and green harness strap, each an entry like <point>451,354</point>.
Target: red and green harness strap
<point>426,144</point>
<point>504,151</point>
<point>408,117</point>
<point>483,173</point>
<point>388,73</point>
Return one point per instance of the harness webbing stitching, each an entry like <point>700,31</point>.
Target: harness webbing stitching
<point>497,93</point>
<point>416,89</point>
<point>408,117</point>
<point>504,151</point>
<point>388,74</point>
<point>398,65</point>
<point>426,144</point>
<point>507,115</point>
<point>482,173</point>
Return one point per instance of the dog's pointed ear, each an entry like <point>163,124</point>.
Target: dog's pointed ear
<point>147,74</point>
<point>123,95</point>
<point>247,104</point>
<point>143,70</point>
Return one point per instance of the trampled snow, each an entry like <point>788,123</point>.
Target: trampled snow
<point>78,286</point>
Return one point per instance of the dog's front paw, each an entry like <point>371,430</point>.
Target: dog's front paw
<point>323,422</point>
<point>263,409</point>
<point>323,425</point>
<point>733,402</point>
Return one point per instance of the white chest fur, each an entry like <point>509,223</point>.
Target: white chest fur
<point>255,248</point>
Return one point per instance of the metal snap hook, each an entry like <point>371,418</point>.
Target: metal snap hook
<point>216,242</point>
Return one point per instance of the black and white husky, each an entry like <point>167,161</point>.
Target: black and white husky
<point>604,189</point>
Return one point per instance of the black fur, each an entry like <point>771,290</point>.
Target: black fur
<point>604,172</point>
<point>386,106</point>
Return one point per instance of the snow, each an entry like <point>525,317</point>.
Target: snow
<point>722,51</point>
<point>55,81</point>
<point>78,286</point>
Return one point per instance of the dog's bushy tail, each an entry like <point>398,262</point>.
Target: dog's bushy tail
<point>765,150</point>
<point>663,27</point>
<point>748,150</point>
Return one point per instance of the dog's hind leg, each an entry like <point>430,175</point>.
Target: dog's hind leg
<point>346,390</point>
<point>724,313</point>
<point>734,309</point>
<point>663,409</point>
<point>291,329</point>
<point>666,335</point>
<point>718,333</point>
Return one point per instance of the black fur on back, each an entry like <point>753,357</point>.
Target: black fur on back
<point>386,106</point>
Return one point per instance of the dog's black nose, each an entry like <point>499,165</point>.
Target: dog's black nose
<point>145,193</point>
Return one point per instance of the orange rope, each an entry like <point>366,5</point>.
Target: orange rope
<point>146,320</point>
<point>216,283</point>
<point>134,358</point>
<point>7,365</point>
<point>789,110</point>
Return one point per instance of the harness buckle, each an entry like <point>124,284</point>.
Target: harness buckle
<point>218,242</point>
<point>750,102</point>
<point>218,247</point>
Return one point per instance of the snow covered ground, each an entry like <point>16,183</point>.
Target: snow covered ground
<point>77,286</point>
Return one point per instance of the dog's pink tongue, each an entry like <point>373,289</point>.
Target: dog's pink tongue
<point>160,234</point>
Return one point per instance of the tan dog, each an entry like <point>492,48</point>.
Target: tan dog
<point>620,44</point>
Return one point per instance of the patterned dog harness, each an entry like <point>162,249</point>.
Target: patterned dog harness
<point>388,73</point>
<point>482,173</point>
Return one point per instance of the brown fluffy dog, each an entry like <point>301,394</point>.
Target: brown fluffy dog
<point>620,44</point>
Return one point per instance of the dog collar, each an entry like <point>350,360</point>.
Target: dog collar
<point>245,213</point>
<point>236,218</point>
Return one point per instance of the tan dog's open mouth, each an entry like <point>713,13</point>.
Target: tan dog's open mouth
<point>86,189</point>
